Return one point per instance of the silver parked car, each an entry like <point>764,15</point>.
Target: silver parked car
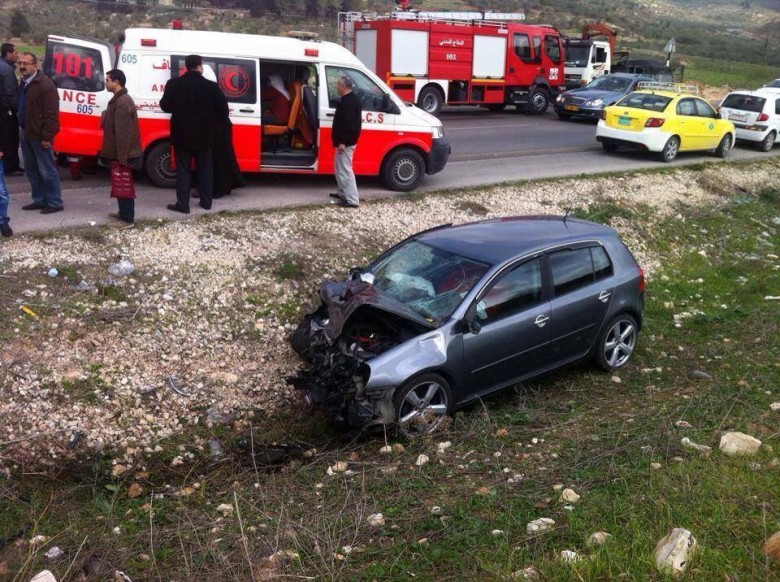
<point>454,313</point>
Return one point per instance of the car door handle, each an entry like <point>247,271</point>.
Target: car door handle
<point>541,320</point>
<point>604,296</point>
<point>247,110</point>
<point>329,114</point>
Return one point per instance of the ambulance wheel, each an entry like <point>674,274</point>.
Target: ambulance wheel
<point>159,165</point>
<point>403,169</point>
<point>538,102</point>
<point>430,100</point>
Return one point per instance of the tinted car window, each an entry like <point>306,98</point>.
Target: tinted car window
<point>516,290</point>
<point>744,102</point>
<point>777,106</point>
<point>703,109</point>
<point>647,101</point>
<point>571,269</point>
<point>602,267</point>
<point>686,107</point>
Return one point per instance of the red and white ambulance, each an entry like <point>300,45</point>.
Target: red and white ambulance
<point>399,142</point>
<point>459,58</point>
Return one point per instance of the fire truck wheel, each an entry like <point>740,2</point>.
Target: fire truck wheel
<point>403,169</point>
<point>538,102</point>
<point>159,166</point>
<point>430,100</point>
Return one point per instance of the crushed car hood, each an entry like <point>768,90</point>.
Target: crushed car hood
<point>342,299</point>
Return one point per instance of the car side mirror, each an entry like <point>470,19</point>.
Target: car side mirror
<point>470,322</point>
<point>474,326</point>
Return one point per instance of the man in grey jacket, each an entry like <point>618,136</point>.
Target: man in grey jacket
<point>9,105</point>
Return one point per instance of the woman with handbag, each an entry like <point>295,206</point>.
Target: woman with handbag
<point>121,147</point>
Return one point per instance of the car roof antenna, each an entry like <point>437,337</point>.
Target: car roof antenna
<point>565,216</point>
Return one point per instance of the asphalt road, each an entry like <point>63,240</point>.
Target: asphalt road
<point>487,148</point>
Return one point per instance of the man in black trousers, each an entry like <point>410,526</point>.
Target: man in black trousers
<point>9,89</point>
<point>194,105</point>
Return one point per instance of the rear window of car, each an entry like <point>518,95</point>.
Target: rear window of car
<point>744,102</point>
<point>648,101</point>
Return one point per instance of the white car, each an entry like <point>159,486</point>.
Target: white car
<point>773,85</point>
<point>755,115</point>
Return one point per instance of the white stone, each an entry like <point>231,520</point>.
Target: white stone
<point>541,525</point>
<point>737,443</point>
<point>775,407</point>
<point>530,573</point>
<point>674,552</point>
<point>386,449</point>
<point>599,538</point>
<point>570,557</point>
<point>339,466</point>
<point>421,460</point>
<point>225,509</point>
<point>656,466</point>
<point>436,510</point>
<point>44,576</point>
<point>442,447</point>
<point>569,496</point>
<point>376,520</point>
<point>497,532</point>
<point>689,444</point>
<point>54,553</point>
<point>683,424</point>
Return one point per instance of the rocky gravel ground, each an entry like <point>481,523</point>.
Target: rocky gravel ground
<point>196,334</point>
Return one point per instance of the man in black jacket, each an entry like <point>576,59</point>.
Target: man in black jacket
<point>194,105</point>
<point>346,130</point>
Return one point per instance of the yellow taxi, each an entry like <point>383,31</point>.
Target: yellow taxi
<point>665,118</point>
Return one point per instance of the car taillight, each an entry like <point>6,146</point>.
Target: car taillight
<point>763,117</point>
<point>641,279</point>
<point>604,114</point>
<point>654,122</point>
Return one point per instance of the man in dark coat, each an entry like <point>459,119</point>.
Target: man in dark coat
<point>195,106</point>
<point>5,146</point>
<point>347,123</point>
<point>9,87</point>
<point>39,122</point>
<point>121,143</point>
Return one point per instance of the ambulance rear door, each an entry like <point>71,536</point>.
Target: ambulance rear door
<point>78,66</point>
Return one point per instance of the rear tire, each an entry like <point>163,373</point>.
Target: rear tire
<point>159,165</point>
<point>671,148</point>
<point>403,169</point>
<point>768,142</point>
<point>609,147</point>
<point>724,146</point>
<point>430,100</point>
<point>617,342</point>
<point>538,102</point>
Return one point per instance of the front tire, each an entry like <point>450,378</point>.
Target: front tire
<point>430,100</point>
<point>724,146</point>
<point>421,404</point>
<point>617,342</point>
<point>159,165</point>
<point>403,169</point>
<point>671,149</point>
<point>538,102</point>
<point>768,142</point>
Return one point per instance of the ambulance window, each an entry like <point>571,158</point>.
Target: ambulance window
<point>236,77</point>
<point>522,46</point>
<point>74,67</point>
<point>552,48</point>
<point>371,95</point>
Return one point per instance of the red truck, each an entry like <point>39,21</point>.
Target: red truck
<point>471,58</point>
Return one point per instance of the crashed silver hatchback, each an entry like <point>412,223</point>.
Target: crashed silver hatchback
<point>454,313</point>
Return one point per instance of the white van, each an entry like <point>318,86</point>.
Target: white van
<point>399,142</point>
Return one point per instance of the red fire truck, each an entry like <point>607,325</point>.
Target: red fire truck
<point>459,58</point>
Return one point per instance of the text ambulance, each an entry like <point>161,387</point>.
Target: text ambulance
<point>399,142</point>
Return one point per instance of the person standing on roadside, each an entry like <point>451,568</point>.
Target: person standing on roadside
<point>194,106</point>
<point>9,89</point>
<point>5,145</point>
<point>121,145</point>
<point>347,123</point>
<point>39,122</point>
